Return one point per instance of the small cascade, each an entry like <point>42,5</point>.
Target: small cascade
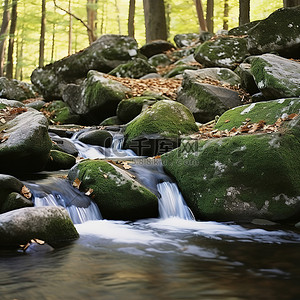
<point>171,202</point>
<point>59,192</point>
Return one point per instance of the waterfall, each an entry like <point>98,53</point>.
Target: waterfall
<point>59,192</point>
<point>171,202</point>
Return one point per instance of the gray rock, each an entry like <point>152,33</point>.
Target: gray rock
<point>25,143</point>
<point>156,47</point>
<point>247,80</point>
<point>15,201</point>
<point>51,224</point>
<point>59,160</point>
<point>159,60</point>
<point>63,144</point>
<point>103,55</point>
<point>243,29</point>
<point>96,137</point>
<point>186,39</point>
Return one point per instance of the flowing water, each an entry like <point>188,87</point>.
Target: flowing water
<point>172,257</point>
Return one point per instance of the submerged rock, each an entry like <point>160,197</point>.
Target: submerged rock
<point>116,193</point>
<point>51,224</point>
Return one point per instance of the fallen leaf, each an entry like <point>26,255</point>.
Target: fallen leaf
<point>292,116</point>
<point>76,183</point>
<point>26,192</point>
<point>126,166</point>
<point>105,176</point>
<point>89,192</point>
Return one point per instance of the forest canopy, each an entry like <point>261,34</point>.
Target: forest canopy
<point>109,17</point>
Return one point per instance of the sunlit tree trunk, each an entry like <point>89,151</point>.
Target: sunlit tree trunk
<point>12,30</point>
<point>291,3</point>
<point>200,14</point>
<point>53,39</point>
<point>20,49</point>
<point>3,35</point>
<point>118,16</point>
<point>91,8</point>
<point>131,14</point>
<point>226,15</point>
<point>155,20</point>
<point>70,29</point>
<point>210,15</point>
<point>42,36</point>
<point>244,16</point>
<point>168,17</point>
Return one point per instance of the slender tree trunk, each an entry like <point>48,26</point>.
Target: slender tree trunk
<point>91,11</point>
<point>131,18</point>
<point>291,3</point>
<point>12,30</point>
<point>226,15</point>
<point>19,52</point>
<point>3,35</point>
<point>102,25</point>
<point>53,39</point>
<point>118,16</point>
<point>155,20</point>
<point>210,15</point>
<point>244,16</point>
<point>200,14</point>
<point>70,30</point>
<point>42,36</point>
<point>168,17</point>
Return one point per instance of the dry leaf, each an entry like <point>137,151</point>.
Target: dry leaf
<point>89,192</point>
<point>2,120</point>
<point>26,192</point>
<point>126,166</point>
<point>105,176</point>
<point>292,116</point>
<point>76,183</point>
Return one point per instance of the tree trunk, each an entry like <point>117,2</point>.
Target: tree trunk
<point>53,39</point>
<point>131,18</point>
<point>20,50</point>
<point>70,30</point>
<point>291,3</point>
<point>42,36</point>
<point>12,30</point>
<point>200,14</point>
<point>244,16</point>
<point>226,15</point>
<point>155,20</point>
<point>210,15</point>
<point>3,35</point>
<point>91,17</point>
<point>118,16</point>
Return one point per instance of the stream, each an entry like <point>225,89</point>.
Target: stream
<point>171,257</point>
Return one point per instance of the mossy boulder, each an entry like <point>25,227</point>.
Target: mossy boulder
<point>158,128</point>
<point>128,109</point>
<point>204,100</point>
<point>275,76</point>
<point>156,47</point>
<point>50,224</point>
<point>59,160</point>
<point>178,70</point>
<point>111,121</point>
<point>136,68</point>
<point>15,201</point>
<point>240,178</point>
<point>16,90</point>
<point>116,193</point>
<point>246,77</point>
<point>279,32</point>
<point>243,29</point>
<point>105,54</point>
<point>159,60</point>
<point>96,137</point>
<point>25,143</point>
<point>96,99</point>
<point>186,39</point>
<point>268,111</point>
<point>223,51</point>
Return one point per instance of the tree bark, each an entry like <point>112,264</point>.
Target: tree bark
<point>12,30</point>
<point>226,15</point>
<point>200,14</point>
<point>42,36</point>
<point>210,15</point>
<point>118,16</point>
<point>155,20</point>
<point>91,17</point>
<point>291,3</point>
<point>131,14</point>
<point>244,16</point>
<point>70,30</point>
<point>3,35</point>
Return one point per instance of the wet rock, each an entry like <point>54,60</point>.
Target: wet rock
<point>36,246</point>
<point>25,143</point>
<point>136,68</point>
<point>51,224</point>
<point>63,144</point>
<point>223,51</point>
<point>158,129</point>
<point>16,90</point>
<point>116,193</point>
<point>205,101</point>
<point>275,76</point>
<point>279,32</point>
<point>96,137</point>
<point>156,47</point>
<point>59,160</point>
<point>96,99</point>
<point>103,55</point>
<point>14,201</point>
<point>114,120</point>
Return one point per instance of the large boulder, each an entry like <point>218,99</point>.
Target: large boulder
<point>116,193</point>
<point>279,32</point>
<point>96,98</point>
<point>240,178</point>
<point>276,77</point>
<point>223,51</point>
<point>156,47</point>
<point>158,129</point>
<point>243,29</point>
<point>25,143</point>
<point>51,224</point>
<point>103,55</point>
<point>15,89</point>
<point>204,100</point>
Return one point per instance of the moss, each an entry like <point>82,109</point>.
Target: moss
<point>118,196</point>
<point>179,70</point>
<point>2,106</point>
<point>167,118</point>
<point>111,121</point>
<point>59,160</point>
<point>268,111</point>
<point>226,179</point>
